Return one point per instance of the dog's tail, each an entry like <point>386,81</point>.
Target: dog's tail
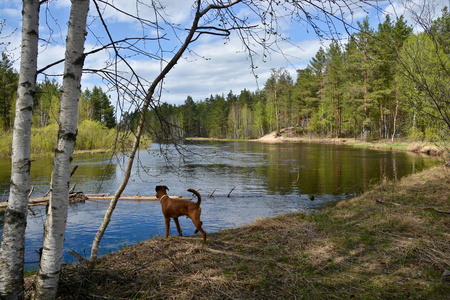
<point>196,194</point>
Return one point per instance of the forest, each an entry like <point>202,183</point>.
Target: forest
<point>96,122</point>
<point>383,83</point>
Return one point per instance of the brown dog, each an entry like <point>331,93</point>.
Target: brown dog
<point>173,208</point>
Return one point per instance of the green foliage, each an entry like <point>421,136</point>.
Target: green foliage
<point>432,135</point>
<point>93,135</point>
<point>46,103</point>
<point>5,143</point>
<point>354,90</point>
<point>8,86</point>
<point>43,139</point>
<point>415,134</point>
<point>424,80</point>
<point>95,105</point>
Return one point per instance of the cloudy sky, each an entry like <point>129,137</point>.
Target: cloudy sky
<point>213,65</point>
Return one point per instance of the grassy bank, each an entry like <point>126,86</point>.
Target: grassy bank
<point>360,249</point>
<point>92,137</point>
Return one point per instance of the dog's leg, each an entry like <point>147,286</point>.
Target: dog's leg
<point>178,226</point>
<point>167,226</point>
<point>198,226</point>
<point>196,230</point>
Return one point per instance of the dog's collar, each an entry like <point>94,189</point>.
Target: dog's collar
<point>161,199</point>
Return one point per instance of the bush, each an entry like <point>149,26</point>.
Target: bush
<point>5,144</point>
<point>43,140</point>
<point>93,135</point>
<point>432,135</point>
<point>415,134</point>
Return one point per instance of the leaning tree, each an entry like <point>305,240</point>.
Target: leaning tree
<point>258,25</point>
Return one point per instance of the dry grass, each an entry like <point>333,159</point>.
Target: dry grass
<point>359,249</point>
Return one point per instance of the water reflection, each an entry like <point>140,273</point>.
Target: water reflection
<point>268,180</point>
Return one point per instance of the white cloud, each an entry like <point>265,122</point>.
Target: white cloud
<point>174,11</point>
<point>218,68</point>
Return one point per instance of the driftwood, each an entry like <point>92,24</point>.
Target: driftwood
<point>80,259</point>
<point>133,198</point>
<point>31,191</point>
<point>231,191</point>
<point>417,207</point>
<point>35,201</point>
<point>346,193</point>
<point>80,197</point>
<point>336,190</point>
<point>298,176</point>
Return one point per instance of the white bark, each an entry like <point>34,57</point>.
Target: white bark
<point>13,240</point>
<point>55,225</point>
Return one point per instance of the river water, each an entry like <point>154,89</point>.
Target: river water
<point>239,182</point>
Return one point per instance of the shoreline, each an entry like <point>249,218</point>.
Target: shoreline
<point>386,243</point>
<point>436,149</point>
<point>432,149</point>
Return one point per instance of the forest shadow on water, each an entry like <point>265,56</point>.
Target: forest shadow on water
<point>239,183</point>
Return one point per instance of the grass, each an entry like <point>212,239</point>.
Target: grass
<point>358,249</point>
<point>92,137</point>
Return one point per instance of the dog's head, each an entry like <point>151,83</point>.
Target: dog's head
<point>161,190</point>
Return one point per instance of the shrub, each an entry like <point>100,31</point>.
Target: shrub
<point>93,135</point>
<point>5,144</point>
<point>43,140</point>
<point>432,135</point>
<point>415,134</point>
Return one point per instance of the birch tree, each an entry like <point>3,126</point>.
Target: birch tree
<point>13,240</point>
<point>55,225</point>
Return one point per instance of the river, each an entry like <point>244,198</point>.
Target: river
<point>239,182</point>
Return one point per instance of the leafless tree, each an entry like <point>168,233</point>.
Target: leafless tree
<point>260,28</point>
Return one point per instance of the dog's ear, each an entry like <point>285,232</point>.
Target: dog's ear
<point>161,187</point>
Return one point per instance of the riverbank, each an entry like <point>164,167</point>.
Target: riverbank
<point>92,138</point>
<point>392,242</point>
<point>287,136</point>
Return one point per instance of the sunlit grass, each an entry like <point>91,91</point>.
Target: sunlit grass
<point>92,137</point>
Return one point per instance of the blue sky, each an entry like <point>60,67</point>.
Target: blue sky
<point>213,66</point>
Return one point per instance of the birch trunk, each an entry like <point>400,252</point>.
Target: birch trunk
<point>55,225</point>
<point>15,220</point>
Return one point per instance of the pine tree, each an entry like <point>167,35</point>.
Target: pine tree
<point>8,87</point>
<point>333,89</point>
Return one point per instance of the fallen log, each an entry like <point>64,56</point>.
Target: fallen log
<point>80,197</point>
<point>132,198</point>
<point>77,197</point>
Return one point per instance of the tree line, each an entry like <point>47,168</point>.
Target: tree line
<point>383,83</point>
<point>93,105</point>
<point>358,89</point>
